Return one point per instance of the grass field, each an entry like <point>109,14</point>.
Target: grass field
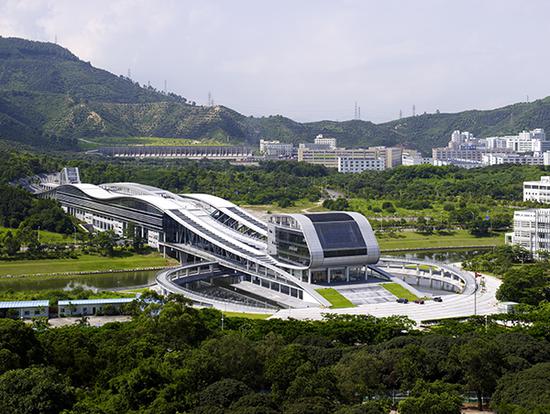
<point>399,291</point>
<point>421,267</point>
<point>299,206</point>
<point>47,294</point>
<point>335,298</point>
<point>436,211</point>
<point>93,143</point>
<point>45,236</point>
<point>247,315</point>
<point>85,263</point>
<point>458,238</point>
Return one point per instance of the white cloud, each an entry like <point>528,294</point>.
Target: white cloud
<point>309,59</point>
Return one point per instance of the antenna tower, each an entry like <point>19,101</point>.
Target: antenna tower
<point>129,74</point>
<point>414,110</point>
<point>355,113</point>
<point>400,114</point>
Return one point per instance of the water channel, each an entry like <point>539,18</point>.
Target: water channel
<point>100,281</point>
<point>128,280</point>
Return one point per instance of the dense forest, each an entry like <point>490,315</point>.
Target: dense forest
<point>175,359</point>
<point>48,97</point>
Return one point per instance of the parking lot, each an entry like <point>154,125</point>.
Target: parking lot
<point>366,294</point>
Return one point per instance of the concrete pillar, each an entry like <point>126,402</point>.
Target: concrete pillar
<point>308,278</point>
<point>328,276</point>
<point>347,274</point>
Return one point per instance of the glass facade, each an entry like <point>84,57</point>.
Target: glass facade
<point>292,246</point>
<point>339,234</point>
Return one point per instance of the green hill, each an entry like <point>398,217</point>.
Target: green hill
<point>49,97</point>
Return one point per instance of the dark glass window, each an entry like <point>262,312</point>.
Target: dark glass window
<point>339,234</point>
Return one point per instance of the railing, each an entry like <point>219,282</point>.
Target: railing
<point>166,279</point>
<point>466,282</point>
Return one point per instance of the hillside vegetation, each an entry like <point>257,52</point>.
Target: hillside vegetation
<point>49,97</point>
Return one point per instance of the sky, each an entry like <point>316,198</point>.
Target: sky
<point>309,59</point>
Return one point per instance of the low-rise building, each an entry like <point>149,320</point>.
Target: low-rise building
<point>329,157</point>
<point>449,154</point>
<point>358,165</point>
<point>330,142</point>
<point>25,309</point>
<point>513,158</point>
<point>412,157</point>
<point>532,229</point>
<point>83,307</point>
<point>538,191</point>
<point>276,149</point>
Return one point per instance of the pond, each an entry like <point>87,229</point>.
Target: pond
<point>100,281</point>
<point>443,256</point>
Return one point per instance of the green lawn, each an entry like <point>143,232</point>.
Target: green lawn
<point>300,206</point>
<point>335,298</point>
<point>399,291</point>
<point>93,143</point>
<point>421,267</point>
<point>458,238</point>
<point>85,263</point>
<point>247,315</point>
<point>436,211</point>
<point>48,294</point>
<point>45,236</point>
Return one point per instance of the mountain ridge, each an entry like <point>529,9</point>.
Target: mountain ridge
<point>49,97</point>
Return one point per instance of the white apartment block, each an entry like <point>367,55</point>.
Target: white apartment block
<point>412,157</point>
<point>331,142</point>
<point>527,148</point>
<point>513,158</point>
<point>358,165</point>
<point>329,157</point>
<point>276,149</point>
<point>462,139</point>
<point>532,229</point>
<point>538,191</point>
<point>449,154</point>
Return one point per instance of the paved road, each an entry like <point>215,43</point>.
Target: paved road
<point>455,305</point>
<point>366,294</point>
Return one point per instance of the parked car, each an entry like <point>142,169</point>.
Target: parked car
<point>419,301</point>
<point>438,299</point>
<point>402,300</point>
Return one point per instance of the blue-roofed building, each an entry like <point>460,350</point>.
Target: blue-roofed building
<point>83,307</point>
<point>25,309</point>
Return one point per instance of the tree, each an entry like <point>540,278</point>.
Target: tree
<point>528,389</point>
<point>224,392</point>
<point>105,242</point>
<point>11,244</point>
<point>481,363</point>
<point>528,284</point>
<point>134,234</point>
<point>431,403</point>
<point>358,376</point>
<point>35,391</point>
